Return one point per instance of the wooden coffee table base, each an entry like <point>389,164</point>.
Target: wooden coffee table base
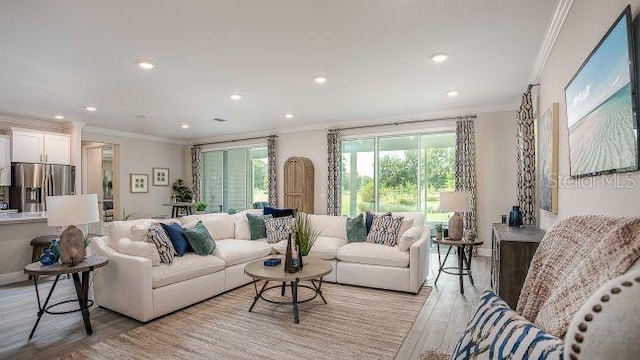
<point>294,285</point>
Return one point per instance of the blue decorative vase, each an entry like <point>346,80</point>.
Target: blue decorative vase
<point>55,248</point>
<point>47,257</point>
<point>515,216</point>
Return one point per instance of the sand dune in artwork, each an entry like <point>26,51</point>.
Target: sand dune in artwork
<point>605,139</point>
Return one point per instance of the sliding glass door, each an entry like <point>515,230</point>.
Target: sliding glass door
<point>398,173</point>
<point>232,180</point>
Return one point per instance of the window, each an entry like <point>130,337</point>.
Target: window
<point>234,179</point>
<point>398,173</point>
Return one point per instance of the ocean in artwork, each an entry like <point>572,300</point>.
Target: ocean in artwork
<point>606,138</point>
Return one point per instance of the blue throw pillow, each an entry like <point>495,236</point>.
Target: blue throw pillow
<point>179,241</point>
<point>497,332</point>
<point>276,213</point>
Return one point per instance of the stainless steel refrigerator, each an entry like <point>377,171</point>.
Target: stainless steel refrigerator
<point>32,183</point>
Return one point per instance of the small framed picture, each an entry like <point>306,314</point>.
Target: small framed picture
<point>160,177</point>
<point>139,183</point>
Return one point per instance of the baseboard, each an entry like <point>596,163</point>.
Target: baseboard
<point>13,277</point>
<point>484,252</point>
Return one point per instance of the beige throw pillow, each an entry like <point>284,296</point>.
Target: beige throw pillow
<point>409,237</point>
<point>139,248</point>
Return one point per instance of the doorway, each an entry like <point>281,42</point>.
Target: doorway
<point>100,175</point>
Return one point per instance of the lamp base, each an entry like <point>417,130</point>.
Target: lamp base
<point>72,249</point>
<point>455,227</point>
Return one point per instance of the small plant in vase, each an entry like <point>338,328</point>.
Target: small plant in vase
<point>306,234</point>
<point>438,231</point>
<point>201,207</point>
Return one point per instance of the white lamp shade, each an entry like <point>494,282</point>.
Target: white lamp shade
<point>72,210</point>
<point>457,201</point>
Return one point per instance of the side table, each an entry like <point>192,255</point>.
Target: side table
<point>82,286</point>
<point>465,252</point>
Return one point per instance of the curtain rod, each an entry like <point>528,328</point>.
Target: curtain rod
<point>404,122</point>
<point>236,140</point>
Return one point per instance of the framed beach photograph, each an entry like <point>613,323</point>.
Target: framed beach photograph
<point>139,183</point>
<point>547,129</point>
<point>160,177</point>
<point>601,116</point>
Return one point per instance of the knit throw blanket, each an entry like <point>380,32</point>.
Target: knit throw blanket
<point>575,258</point>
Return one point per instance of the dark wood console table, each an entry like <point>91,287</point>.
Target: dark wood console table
<point>512,250</point>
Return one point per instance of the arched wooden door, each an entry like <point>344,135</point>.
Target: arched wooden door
<point>298,184</point>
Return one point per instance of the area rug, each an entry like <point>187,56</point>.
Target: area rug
<point>357,323</point>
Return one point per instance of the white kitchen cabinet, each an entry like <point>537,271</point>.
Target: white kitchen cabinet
<point>27,146</point>
<point>57,149</point>
<point>5,161</point>
<point>40,147</point>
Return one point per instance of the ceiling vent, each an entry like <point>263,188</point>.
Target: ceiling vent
<point>220,119</point>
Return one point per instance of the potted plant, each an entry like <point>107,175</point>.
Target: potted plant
<point>306,233</point>
<point>438,231</point>
<point>201,207</point>
<point>181,192</point>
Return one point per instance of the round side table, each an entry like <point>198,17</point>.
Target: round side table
<point>465,252</point>
<point>82,286</point>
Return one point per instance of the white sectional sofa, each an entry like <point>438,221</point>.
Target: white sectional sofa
<point>132,286</point>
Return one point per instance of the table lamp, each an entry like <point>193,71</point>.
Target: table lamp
<point>71,210</point>
<point>456,201</point>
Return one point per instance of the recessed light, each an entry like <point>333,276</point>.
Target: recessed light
<point>59,117</point>
<point>90,108</point>
<point>185,126</point>
<point>452,93</point>
<point>235,97</point>
<point>146,65</point>
<point>320,79</point>
<point>141,116</point>
<point>288,116</point>
<point>439,57</point>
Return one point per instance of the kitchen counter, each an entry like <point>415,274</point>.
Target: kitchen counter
<point>22,217</point>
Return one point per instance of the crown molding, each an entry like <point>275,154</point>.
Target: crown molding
<point>131,135</point>
<point>553,30</point>
<point>31,122</point>
<point>339,124</point>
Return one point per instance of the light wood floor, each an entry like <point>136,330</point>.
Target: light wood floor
<point>438,325</point>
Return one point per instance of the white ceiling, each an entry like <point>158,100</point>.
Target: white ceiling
<point>56,57</point>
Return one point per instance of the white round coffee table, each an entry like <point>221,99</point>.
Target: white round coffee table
<point>313,272</point>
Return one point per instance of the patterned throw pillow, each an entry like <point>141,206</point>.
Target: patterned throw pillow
<point>278,229</point>
<point>384,229</point>
<point>159,238</point>
<point>497,332</point>
<point>369,219</point>
<point>257,226</point>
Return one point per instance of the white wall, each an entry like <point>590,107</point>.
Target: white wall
<point>496,171</point>
<point>139,156</point>
<point>586,24</point>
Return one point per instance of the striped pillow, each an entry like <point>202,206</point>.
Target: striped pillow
<point>384,230</point>
<point>497,332</point>
<point>278,229</point>
<point>159,238</point>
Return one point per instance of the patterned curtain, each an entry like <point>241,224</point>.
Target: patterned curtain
<point>334,153</point>
<point>466,166</point>
<point>273,171</point>
<point>196,171</point>
<point>526,159</point>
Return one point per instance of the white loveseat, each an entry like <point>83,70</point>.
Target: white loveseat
<point>132,286</point>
